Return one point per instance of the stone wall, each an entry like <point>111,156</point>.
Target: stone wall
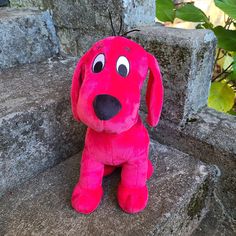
<point>79,23</point>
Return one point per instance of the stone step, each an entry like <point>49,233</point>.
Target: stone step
<point>179,194</point>
<point>36,125</point>
<point>26,36</point>
<point>209,136</point>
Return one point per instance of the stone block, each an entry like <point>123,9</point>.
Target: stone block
<point>36,126</point>
<point>80,23</point>
<point>186,59</point>
<point>139,13</point>
<point>211,137</point>
<point>26,36</point>
<point>4,3</point>
<point>179,194</point>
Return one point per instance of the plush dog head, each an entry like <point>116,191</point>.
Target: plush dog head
<point>107,84</point>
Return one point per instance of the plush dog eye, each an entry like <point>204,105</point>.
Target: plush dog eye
<point>98,63</point>
<point>122,66</point>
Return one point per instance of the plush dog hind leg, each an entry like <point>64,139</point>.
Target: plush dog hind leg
<point>88,192</point>
<point>132,191</point>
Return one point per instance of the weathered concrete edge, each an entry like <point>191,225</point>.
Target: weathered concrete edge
<point>47,17</point>
<point>199,84</point>
<point>191,38</point>
<point>184,139</point>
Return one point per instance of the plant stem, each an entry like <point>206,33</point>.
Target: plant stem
<point>217,57</point>
<point>225,76</point>
<point>228,22</point>
<point>224,71</point>
<point>224,54</point>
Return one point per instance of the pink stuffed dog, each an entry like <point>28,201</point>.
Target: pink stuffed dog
<point>105,96</point>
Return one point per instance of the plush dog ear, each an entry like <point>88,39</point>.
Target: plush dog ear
<point>154,94</point>
<point>77,80</point>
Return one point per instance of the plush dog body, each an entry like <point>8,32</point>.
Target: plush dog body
<point>105,95</point>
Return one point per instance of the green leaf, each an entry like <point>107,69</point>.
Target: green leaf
<point>221,97</point>
<point>208,25</point>
<point>227,6</point>
<point>231,77</point>
<point>232,112</point>
<point>189,12</point>
<point>226,38</point>
<point>165,10</point>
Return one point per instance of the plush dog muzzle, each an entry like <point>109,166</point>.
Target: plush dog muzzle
<point>106,106</point>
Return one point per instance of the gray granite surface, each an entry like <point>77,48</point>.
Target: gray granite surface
<point>36,126</point>
<point>179,194</point>
<point>26,36</point>
<point>186,61</point>
<point>209,136</point>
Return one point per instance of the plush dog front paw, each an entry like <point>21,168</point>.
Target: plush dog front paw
<point>132,200</point>
<point>86,200</point>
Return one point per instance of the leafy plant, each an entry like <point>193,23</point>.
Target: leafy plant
<point>223,88</point>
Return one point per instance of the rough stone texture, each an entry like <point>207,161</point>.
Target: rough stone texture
<point>139,12</point>
<point>4,3</point>
<point>211,137</point>
<point>186,61</point>
<point>36,126</point>
<point>80,23</point>
<point>179,193</point>
<point>216,222</point>
<point>26,36</point>
<point>29,3</point>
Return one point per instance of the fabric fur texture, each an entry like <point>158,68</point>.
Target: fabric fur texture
<point>105,95</point>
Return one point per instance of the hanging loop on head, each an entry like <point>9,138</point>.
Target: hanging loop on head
<point>112,26</point>
<point>130,31</point>
<point>121,27</point>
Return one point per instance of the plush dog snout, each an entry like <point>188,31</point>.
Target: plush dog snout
<point>106,106</point>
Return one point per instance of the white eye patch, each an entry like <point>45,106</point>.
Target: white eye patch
<point>122,66</point>
<point>99,63</point>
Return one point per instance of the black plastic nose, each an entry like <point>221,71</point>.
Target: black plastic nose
<point>106,106</point>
